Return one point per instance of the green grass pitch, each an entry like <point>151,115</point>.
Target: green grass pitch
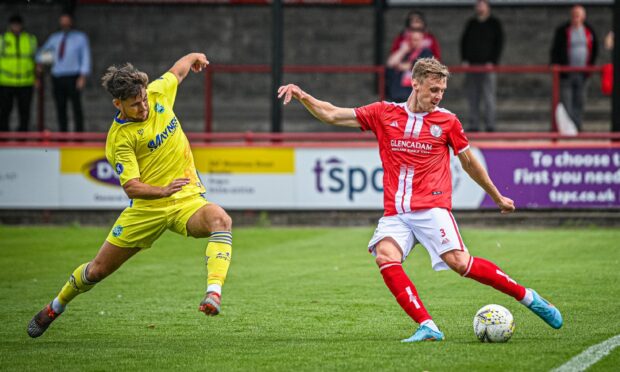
<point>301,299</point>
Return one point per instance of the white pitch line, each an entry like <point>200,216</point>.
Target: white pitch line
<point>590,356</point>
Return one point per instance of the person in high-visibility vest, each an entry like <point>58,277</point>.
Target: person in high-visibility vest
<point>17,73</point>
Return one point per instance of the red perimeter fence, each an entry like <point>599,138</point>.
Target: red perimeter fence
<point>553,71</point>
<point>352,139</point>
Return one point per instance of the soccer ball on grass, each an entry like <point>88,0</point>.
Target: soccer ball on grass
<point>493,323</point>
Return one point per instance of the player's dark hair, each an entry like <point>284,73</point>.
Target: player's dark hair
<point>125,81</point>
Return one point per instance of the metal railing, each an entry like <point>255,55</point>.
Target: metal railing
<point>350,139</point>
<point>554,71</point>
<point>213,69</point>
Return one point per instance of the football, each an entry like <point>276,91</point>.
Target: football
<point>493,323</point>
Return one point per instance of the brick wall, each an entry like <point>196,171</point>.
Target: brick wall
<point>153,37</point>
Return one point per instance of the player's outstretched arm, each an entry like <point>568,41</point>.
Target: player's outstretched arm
<point>324,111</point>
<point>140,190</point>
<point>193,61</point>
<point>476,171</point>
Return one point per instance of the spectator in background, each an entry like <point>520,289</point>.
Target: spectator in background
<point>607,73</point>
<point>481,45</point>
<point>574,45</point>
<point>415,21</point>
<point>17,73</point>
<point>400,63</point>
<point>71,65</point>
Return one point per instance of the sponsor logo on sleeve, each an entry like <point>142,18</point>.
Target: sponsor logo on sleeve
<point>119,168</point>
<point>159,108</point>
<point>117,231</point>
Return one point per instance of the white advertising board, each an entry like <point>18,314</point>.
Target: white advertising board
<point>29,178</point>
<point>338,178</point>
<point>235,177</point>
<point>250,191</point>
<point>88,181</point>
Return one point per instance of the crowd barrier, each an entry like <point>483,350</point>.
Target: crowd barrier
<point>554,71</point>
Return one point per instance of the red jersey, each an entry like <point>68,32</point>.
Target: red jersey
<point>414,153</point>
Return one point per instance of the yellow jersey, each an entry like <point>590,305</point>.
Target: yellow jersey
<point>155,150</point>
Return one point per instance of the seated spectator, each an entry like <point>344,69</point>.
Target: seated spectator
<point>400,63</point>
<point>415,21</point>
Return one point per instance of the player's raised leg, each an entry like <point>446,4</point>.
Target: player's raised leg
<point>211,220</point>
<point>83,279</point>
<point>389,257</point>
<point>486,272</point>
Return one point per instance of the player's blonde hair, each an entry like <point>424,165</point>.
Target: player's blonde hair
<point>425,67</point>
<point>124,81</point>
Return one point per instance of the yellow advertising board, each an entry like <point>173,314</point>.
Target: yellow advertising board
<point>244,160</point>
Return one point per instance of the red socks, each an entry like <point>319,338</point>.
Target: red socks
<point>479,269</point>
<point>486,272</point>
<point>403,289</point>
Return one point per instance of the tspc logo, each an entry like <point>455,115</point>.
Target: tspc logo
<point>102,172</point>
<point>335,176</point>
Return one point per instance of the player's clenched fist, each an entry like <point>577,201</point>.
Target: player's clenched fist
<point>506,205</point>
<point>290,91</point>
<point>200,63</point>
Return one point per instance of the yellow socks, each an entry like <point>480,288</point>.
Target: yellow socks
<point>218,255</point>
<point>76,284</point>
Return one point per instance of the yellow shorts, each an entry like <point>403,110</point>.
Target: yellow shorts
<point>141,224</point>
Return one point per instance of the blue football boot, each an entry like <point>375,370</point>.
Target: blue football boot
<point>424,333</point>
<point>546,311</point>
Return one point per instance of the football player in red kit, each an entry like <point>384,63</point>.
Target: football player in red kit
<point>414,139</point>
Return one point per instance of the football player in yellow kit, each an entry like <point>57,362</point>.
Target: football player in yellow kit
<point>152,156</point>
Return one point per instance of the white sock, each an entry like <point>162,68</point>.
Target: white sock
<point>528,298</point>
<point>430,324</point>
<point>214,288</point>
<point>57,306</point>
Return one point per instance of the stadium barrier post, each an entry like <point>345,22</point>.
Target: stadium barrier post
<point>555,95</point>
<point>41,103</point>
<point>381,82</point>
<point>209,100</point>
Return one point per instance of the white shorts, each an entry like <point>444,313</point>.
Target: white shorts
<point>434,228</point>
